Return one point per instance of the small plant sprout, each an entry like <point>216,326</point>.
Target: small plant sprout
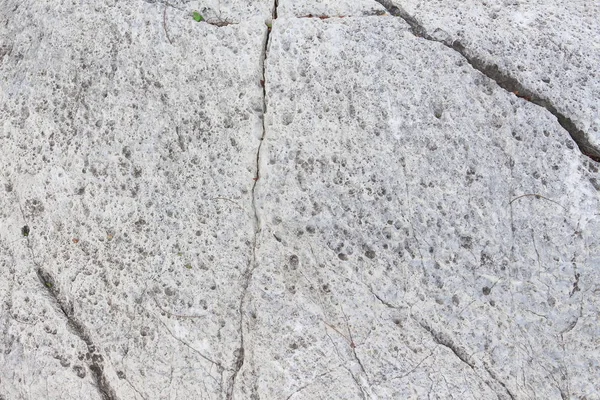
<point>197,16</point>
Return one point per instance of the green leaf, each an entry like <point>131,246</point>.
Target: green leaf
<point>198,17</point>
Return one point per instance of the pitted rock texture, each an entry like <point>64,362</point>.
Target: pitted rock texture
<point>263,205</point>
<point>329,9</point>
<point>131,160</point>
<point>550,48</point>
<point>403,251</point>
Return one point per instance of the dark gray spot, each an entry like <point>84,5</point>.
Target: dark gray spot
<point>79,370</point>
<point>294,261</point>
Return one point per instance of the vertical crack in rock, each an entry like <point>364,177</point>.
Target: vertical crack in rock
<point>246,278</point>
<point>443,339</point>
<point>93,357</point>
<point>502,79</point>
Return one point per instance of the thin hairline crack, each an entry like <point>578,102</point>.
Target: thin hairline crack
<point>247,276</point>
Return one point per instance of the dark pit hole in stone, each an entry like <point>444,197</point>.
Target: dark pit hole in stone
<point>294,261</point>
<point>455,300</point>
<point>466,242</point>
<point>516,136</point>
<point>79,371</point>
<point>486,290</point>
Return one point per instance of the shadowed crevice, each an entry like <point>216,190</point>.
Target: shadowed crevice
<point>502,79</point>
<point>93,358</point>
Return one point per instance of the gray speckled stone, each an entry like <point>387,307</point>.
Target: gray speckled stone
<point>403,252</point>
<point>320,8</point>
<point>131,160</point>
<point>412,231</point>
<point>551,47</point>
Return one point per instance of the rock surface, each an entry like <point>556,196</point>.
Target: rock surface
<point>550,48</point>
<point>396,225</point>
<point>131,160</point>
<point>329,9</point>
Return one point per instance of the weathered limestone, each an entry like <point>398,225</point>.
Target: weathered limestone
<point>329,9</point>
<point>549,47</point>
<point>396,226</point>
<point>130,154</point>
<point>423,231</point>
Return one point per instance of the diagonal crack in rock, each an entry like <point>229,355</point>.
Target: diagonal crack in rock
<point>445,340</point>
<point>502,79</point>
<point>95,359</point>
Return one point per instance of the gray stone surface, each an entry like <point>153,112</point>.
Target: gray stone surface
<point>402,251</point>
<point>550,47</point>
<point>396,226</point>
<point>131,160</point>
<point>319,8</point>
